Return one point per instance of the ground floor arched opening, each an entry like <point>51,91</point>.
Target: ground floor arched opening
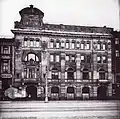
<point>85,93</point>
<point>31,92</point>
<point>70,93</point>
<point>55,93</point>
<point>102,92</point>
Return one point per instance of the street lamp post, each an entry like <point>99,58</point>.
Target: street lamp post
<point>46,88</point>
<point>44,45</point>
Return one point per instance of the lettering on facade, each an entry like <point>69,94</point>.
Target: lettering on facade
<point>6,75</point>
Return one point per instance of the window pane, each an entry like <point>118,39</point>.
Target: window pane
<point>57,44</point>
<point>87,46</point>
<point>73,45</point>
<point>25,43</point>
<point>104,46</point>
<point>82,46</point>
<point>62,44</point>
<point>67,44</point>
<point>31,43</point>
<point>37,43</point>
<point>104,59</point>
<point>67,57</point>
<point>117,41</point>
<point>5,49</point>
<point>51,58</point>
<point>78,45</point>
<point>82,57</point>
<point>99,59</point>
<point>57,58</point>
<point>117,53</point>
<point>98,46</point>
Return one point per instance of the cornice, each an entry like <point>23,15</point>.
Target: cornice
<point>61,34</point>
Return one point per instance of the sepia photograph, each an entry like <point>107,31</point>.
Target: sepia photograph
<point>59,59</point>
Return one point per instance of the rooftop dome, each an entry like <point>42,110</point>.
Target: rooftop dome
<point>31,10</point>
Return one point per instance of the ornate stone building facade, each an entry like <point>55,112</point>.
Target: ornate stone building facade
<point>61,61</point>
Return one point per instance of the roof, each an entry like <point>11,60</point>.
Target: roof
<point>31,10</point>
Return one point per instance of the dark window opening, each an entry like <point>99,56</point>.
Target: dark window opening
<point>54,90</point>
<point>70,90</point>
<point>85,90</point>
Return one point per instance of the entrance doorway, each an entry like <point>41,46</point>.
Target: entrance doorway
<point>5,84</point>
<point>85,93</point>
<point>102,92</point>
<point>31,92</point>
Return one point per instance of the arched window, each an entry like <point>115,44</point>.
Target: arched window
<point>55,73</point>
<point>54,90</point>
<point>70,90</point>
<point>31,57</point>
<point>102,74</point>
<point>85,74</point>
<point>85,90</point>
<point>70,73</point>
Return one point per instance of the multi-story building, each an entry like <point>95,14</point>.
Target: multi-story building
<point>6,63</point>
<point>116,63</point>
<point>61,61</point>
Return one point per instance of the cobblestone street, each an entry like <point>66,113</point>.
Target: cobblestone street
<point>60,110</point>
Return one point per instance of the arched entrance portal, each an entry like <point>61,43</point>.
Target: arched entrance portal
<point>102,92</point>
<point>31,92</point>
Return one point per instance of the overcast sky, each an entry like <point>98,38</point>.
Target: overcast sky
<point>73,12</point>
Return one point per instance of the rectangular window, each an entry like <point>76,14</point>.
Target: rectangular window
<point>82,58</point>
<point>98,59</point>
<point>57,58</point>
<point>31,43</point>
<point>88,59</point>
<point>5,66</point>
<point>67,45</point>
<point>25,73</point>
<point>73,45</point>
<point>37,43</point>
<point>104,47</point>
<point>52,44</point>
<point>73,58</point>
<point>78,45</point>
<point>98,46</point>
<point>25,43</point>
<point>62,44</point>
<point>67,58</point>
<point>87,47</point>
<point>82,46</point>
<point>51,58</point>
<point>5,50</point>
<point>116,40</point>
<point>104,59</point>
<point>57,44</point>
<point>117,53</point>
